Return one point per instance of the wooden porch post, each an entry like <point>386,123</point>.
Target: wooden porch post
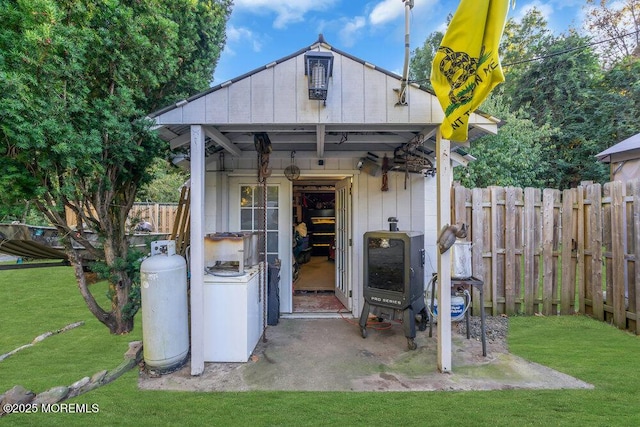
<point>197,249</point>
<point>444,180</point>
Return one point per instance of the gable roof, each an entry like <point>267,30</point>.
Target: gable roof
<point>622,150</point>
<point>362,112</point>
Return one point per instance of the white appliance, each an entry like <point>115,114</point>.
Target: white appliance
<point>233,315</point>
<point>240,247</point>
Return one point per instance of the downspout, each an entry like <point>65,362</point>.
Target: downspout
<point>402,92</point>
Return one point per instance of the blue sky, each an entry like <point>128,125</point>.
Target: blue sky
<point>262,31</point>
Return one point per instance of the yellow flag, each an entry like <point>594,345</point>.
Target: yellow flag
<point>466,66</point>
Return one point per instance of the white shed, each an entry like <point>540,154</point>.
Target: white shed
<point>366,116</point>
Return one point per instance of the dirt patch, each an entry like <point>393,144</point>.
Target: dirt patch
<point>331,355</point>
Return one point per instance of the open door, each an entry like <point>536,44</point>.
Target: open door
<point>343,242</point>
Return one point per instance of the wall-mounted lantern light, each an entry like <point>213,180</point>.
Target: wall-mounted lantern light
<point>318,67</point>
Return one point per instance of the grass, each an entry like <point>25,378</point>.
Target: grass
<point>39,300</point>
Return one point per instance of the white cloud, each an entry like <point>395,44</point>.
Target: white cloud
<point>287,11</point>
<point>351,29</point>
<point>240,35</point>
<point>545,9</point>
<point>385,11</point>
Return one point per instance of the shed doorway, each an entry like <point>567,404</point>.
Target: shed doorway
<point>321,220</point>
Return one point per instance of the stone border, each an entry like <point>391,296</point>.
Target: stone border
<point>41,337</point>
<point>19,395</point>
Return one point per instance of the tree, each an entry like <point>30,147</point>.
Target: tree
<point>516,156</point>
<point>165,184</point>
<point>616,29</point>
<point>616,115</point>
<point>422,58</point>
<point>521,43</point>
<point>561,89</point>
<point>76,80</point>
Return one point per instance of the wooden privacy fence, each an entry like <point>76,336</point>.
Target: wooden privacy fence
<point>556,252</point>
<point>172,219</point>
<point>161,216</point>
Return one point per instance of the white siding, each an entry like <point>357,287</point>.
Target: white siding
<point>262,97</point>
<point>352,91</point>
<point>375,94</point>
<point>285,89</point>
<point>217,107</point>
<point>196,111</point>
<point>279,94</point>
<point>240,104</point>
<point>420,107</point>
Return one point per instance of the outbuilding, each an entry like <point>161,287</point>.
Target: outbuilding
<point>329,138</point>
<point>623,159</point>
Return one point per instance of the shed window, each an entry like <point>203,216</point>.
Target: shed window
<point>253,218</point>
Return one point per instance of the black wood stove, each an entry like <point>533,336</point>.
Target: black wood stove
<point>394,279</point>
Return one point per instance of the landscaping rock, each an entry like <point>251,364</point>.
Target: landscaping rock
<point>81,383</point>
<point>135,350</point>
<point>496,330</point>
<point>18,394</point>
<point>98,377</point>
<point>82,386</point>
<point>53,395</point>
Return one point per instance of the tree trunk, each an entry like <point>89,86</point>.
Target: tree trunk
<point>118,319</point>
<point>122,320</point>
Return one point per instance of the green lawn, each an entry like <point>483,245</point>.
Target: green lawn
<point>38,300</point>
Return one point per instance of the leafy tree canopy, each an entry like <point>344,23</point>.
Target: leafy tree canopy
<point>76,80</point>
<point>165,184</point>
<point>615,26</point>
<point>516,156</point>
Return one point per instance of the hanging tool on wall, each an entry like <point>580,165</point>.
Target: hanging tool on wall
<point>412,157</point>
<point>262,144</point>
<point>385,177</point>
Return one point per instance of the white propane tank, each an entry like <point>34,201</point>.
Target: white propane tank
<point>165,327</point>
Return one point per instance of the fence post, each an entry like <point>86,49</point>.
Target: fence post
<point>530,272</point>
<point>511,279</point>
<point>478,231</point>
<point>594,193</point>
<point>580,248</point>
<point>568,285</point>
<point>618,245</point>
<point>497,252</point>
<point>547,251</point>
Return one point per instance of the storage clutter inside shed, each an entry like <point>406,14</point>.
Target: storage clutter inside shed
<point>314,247</point>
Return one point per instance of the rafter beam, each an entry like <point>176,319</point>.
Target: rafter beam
<point>180,140</point>
<point>307,138</point>
<point>459,159</point>
<point>429,131</point>
<point>222,140</point>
